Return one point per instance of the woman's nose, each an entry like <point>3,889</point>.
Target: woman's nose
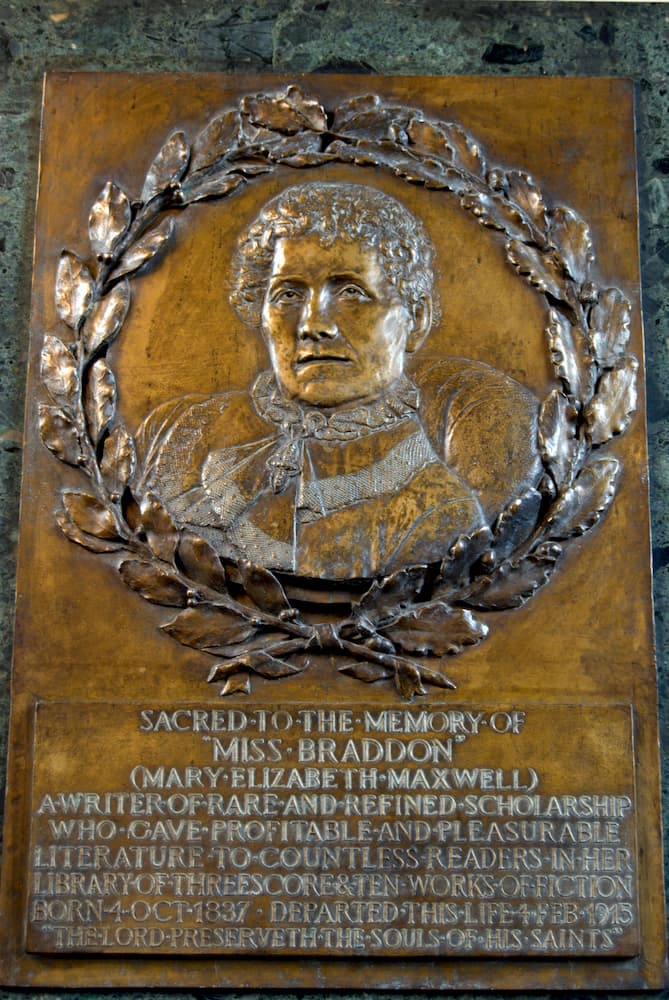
<point>317,321</point>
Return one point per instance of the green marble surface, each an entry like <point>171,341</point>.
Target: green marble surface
<point>380,36</point>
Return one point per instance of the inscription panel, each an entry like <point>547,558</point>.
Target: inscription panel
<point>369,831</point>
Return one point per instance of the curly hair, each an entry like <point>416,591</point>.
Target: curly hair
<point>333,211</point>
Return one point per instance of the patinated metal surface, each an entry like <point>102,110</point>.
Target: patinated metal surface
<point>372,394</point>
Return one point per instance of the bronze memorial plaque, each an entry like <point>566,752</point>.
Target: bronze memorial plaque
<point>334,652</point>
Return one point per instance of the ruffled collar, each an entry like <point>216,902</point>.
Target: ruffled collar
<point>398,403</point>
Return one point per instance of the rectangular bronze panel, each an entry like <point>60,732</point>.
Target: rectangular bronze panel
<point>335,401</point>
<point>364,831</point>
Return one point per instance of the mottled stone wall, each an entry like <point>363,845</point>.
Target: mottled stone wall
<point>380,36</point>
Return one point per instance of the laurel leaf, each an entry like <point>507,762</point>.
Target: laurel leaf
<point>100,399</point>
<point>59,434</point>
<point>514,583</point>
<point>74,289</point>
<point>146,248</point>
<point>571,238</point>
<point>583,504</point>
<point>610,410</point>
<point>435,629</point>
<point>385,597</point>
<point>71,531</point>
<point>380,643</point>
<point>200,562</point>
<point>467,152</point>
<point>455,568</point>
<point>207,627</point>
<point>107,317</point>
<point>311,111</point>
<point>364,152</point>
<point>435,677</point>
<point>557,435</point>
<point>384,123</point>
<point>349,111</point>
<point>610,326</point>
<point>289,112</point>
<point>259,658</point>
<point>515,523</point>
<point>433,176</point>
<point>407,680</point>
<point>215,140</point>
<point>90,514</point>
<point>290,148</point>
<point>369,673</point>
<point>495,213</point>
<point>524,192</point>
<point>221,670</point>
<point>271,667</point>
<point>428,137</point>
<point>570,355</point>
<point>118,461</point>
<point>154,583</point>
<point>255,166</point>
<point>161,532</point>
<point>109,219</point>
<point>131,511</point>
<point>263,588</point>
<point>59,372</point>
<point>239,684</point>
<point>539,269</point>
<point>226,668</point>
<point>168,167</point>
<point>313,158</point>
<point>212,186</point>
<point>262,640</point>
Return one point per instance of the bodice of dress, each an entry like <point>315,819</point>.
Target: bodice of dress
<point>352,493</point>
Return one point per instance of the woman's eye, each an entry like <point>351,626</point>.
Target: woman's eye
<point>352,292</point>
<point>286,296</point>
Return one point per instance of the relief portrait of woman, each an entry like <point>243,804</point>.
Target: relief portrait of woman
<point>336,464</point>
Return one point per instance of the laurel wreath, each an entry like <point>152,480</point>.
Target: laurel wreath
<point>403,625</point>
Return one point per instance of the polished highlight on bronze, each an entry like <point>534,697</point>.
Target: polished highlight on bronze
<point>349,212</point>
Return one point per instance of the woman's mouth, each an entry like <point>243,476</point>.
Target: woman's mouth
<point>319,358</point>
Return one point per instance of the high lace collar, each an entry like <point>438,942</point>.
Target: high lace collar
<point>345,423</point>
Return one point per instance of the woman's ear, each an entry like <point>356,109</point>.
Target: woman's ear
<point>422,323</point>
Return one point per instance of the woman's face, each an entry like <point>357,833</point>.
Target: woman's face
<point>336,328</point>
